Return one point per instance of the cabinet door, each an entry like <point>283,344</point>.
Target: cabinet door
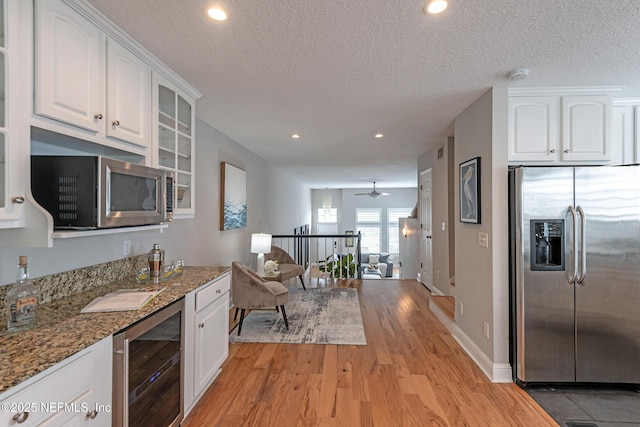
<point>174,118</point>
<point>12,178</point>
<point>74,392</point>
<point>69,67</point>
<point>212,341</point>
<point>533,128</point>
<point>636,139</point>
<point>586,128</point>
<point>623,150</point>
<point>128,96</point>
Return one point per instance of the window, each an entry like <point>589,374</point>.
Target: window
<point>393,214</point>
<point>327,215</point>
<point>368,222</point>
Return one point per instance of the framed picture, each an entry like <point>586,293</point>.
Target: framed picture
<point>470,191</point>
<point>349,240</point>
<point>233,195</point>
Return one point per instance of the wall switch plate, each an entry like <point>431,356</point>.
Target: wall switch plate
<point>483,240</point>
<point>444,226</point>
<point>485,326</point>
<point>461,309</point>
<point>126,248</point>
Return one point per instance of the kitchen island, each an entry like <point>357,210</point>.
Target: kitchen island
<point>63,331</point>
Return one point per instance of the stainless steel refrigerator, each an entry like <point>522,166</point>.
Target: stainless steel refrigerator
<point>575,274</point>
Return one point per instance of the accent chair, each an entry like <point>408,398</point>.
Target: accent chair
<point>250,291</point>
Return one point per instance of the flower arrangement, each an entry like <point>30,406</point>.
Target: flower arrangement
<point>270,266</point>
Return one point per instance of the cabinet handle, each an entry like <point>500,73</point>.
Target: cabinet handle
<point>566,150</point>
<point>98,116</point>
<point>218,291</point>
<point>18,200</point>
<point>21,417</point>
<point>200,325</point>
<point>92,414</point>
<point>116,123</point>
<point>553,150</point>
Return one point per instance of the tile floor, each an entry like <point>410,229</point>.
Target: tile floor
<point>574,406</point>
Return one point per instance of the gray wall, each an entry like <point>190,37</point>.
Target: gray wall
<point>199,240</point>
<point>442,211</point>
<point>482,273</point>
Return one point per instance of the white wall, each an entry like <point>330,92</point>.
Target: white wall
<point>275,203</point>
<point>397,198</point>
<point>482,273</point>
<point>442,243</point>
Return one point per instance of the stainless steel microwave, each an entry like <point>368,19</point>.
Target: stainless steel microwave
<point>88,192</point>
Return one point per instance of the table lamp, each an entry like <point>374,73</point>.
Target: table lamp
<point>260,244</point>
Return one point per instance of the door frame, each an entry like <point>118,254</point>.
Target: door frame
<point>425,259</point>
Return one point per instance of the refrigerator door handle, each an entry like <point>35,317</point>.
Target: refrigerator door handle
<point>574,216</point>
<point>583,241</point>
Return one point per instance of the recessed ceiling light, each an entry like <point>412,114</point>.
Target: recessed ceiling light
<point>217,14</point>
<point>295,136</point>
<point>435,6</point>
<point>378,135</point>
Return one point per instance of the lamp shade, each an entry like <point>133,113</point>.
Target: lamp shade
<point>260,243</point>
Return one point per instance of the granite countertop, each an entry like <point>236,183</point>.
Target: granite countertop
<point>62,331</point>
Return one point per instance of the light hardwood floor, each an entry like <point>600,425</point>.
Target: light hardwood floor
<point>411,373</point>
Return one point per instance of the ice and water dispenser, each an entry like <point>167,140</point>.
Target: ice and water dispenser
<point>547,244</point>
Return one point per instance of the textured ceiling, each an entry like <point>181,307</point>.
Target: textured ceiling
<point>339,71</point>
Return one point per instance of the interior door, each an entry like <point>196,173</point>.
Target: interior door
<point>326,246</point>
<point>426,235</point>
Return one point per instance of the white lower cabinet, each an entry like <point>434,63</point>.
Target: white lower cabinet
<point>75,392</point>
<point>206,337</point>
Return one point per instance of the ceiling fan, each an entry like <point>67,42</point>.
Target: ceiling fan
<point>374,194</point>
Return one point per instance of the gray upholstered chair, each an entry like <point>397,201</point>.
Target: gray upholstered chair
<point>286,265</point>
<point>250,291</point>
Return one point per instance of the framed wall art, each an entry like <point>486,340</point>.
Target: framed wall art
<point>470,191</point>
<point>349,240</point>
<point>233,195</point>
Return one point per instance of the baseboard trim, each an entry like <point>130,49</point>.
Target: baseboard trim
<point>435,291</point>
<point>441,316</point>
<point>496,372</point>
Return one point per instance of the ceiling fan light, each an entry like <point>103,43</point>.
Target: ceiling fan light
<point>435,6</point>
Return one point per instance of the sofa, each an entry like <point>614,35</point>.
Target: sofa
<point>385,263</point>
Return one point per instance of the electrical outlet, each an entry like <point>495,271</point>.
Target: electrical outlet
<point>126,248</point>
<point>461,309</point>
<point>444,226</point>
<point>483,240</point>
<point>486,329</point>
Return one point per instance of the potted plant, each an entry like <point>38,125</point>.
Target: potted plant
<point>339,265</point>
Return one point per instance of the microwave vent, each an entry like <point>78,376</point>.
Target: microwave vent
<point>67,197</point>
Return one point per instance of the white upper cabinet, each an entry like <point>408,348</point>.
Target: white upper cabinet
<point>86,79</point>
<point>128,96</point>
<point>533,128</point>
<point>174,121</point>
<point>554,128</point>
<point>70,70</point>
<point>624,146</point>
<point>12,167</point>
<point>586,128</point>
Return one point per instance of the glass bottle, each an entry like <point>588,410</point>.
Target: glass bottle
<point>22,301</point>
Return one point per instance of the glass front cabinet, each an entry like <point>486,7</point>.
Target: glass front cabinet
<point>175,147</point>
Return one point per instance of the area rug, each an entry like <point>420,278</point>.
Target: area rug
<point>316,316</point>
